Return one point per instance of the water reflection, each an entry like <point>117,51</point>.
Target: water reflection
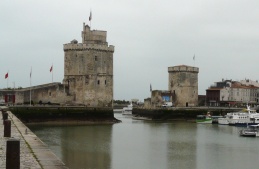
<point>221,147</point>
<point>181,145</point>
<point>150,145</point>
<point>79,146</point>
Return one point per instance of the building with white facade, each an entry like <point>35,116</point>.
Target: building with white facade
<point>233,93</point>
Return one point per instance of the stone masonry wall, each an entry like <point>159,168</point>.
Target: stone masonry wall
<point>52,93</point>
<point>88,69</point>
<point>183,81</point>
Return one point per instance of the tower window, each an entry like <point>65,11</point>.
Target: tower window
<point>105,82</point>
<point>95,58</point>
<point>98,82</point>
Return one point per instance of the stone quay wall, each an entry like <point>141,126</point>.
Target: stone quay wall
<point>180,113</point>
<point>64,115</point>
<point>33,152</point>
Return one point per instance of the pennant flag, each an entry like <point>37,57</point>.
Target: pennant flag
<point>30,72</point>
<point>90,17</point>
<point>150,88</point>
<point>194,57</point>
<point>6,75</point>
<point>51,68</point>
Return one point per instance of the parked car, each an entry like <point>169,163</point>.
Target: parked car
<point>168,104</point>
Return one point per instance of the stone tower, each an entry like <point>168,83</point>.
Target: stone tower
<point>183,83</point>
<point>88,69</point>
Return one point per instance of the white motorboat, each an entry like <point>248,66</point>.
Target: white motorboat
<point>251,117</point>
<point>224,120</point>
<point>230,118</point>
<point>251,131</point>
<point>140,118</point>
<point>241,118</point>
<point>236,117</point>
<point>127,110</point>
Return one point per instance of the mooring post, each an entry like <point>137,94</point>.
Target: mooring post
<point>7,128</point>
<point>13,154</point>
<point>5,116</point>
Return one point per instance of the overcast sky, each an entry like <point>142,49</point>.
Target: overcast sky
<point>149,36</point>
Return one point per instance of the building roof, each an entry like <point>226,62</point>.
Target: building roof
<point>215,88</point>
<point>239,85</point>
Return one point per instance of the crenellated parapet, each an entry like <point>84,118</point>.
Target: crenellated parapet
<point>81,46</point>
<point>183,68</point>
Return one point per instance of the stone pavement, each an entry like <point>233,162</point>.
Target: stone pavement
<point>34,154</point>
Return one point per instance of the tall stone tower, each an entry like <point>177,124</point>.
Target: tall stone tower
<point>88,69</point>
<point>183,83</point>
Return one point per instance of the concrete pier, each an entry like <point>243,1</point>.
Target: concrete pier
<point>33,152</point>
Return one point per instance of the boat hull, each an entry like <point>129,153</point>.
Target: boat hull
<point>248,133</point>
<point>207,121</point>
<point>126,112</point>
<point>243,124</point>
<point>223,121</point>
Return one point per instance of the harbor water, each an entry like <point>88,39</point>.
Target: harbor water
<point>142,144</point>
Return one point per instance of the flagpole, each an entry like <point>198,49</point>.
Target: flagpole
<point>90,18</point>
<point>194,60</point>
<point>52,72</point>
<point>7,78</point>
<point>30,86</point>
<point>150,94</point>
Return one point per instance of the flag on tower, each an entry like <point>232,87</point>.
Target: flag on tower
<point>194,57</point>
<point>51,68</point>
<point>30,72</point>
<point>6,75</point>
<point>150,88</point>
<point>90,17</point>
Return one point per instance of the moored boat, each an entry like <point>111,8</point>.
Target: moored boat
<point>140,118</point>
<point>250,117</point>
<point>127,110</point>
<point>206,119</point>
<point>241,118</point>
<point>215,119</point>
<point>251,131</point>
<point>223,120</point>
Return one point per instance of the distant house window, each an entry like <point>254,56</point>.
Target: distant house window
<point>49,93</point>
<point>95,58</point>
<point>98,82</point>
